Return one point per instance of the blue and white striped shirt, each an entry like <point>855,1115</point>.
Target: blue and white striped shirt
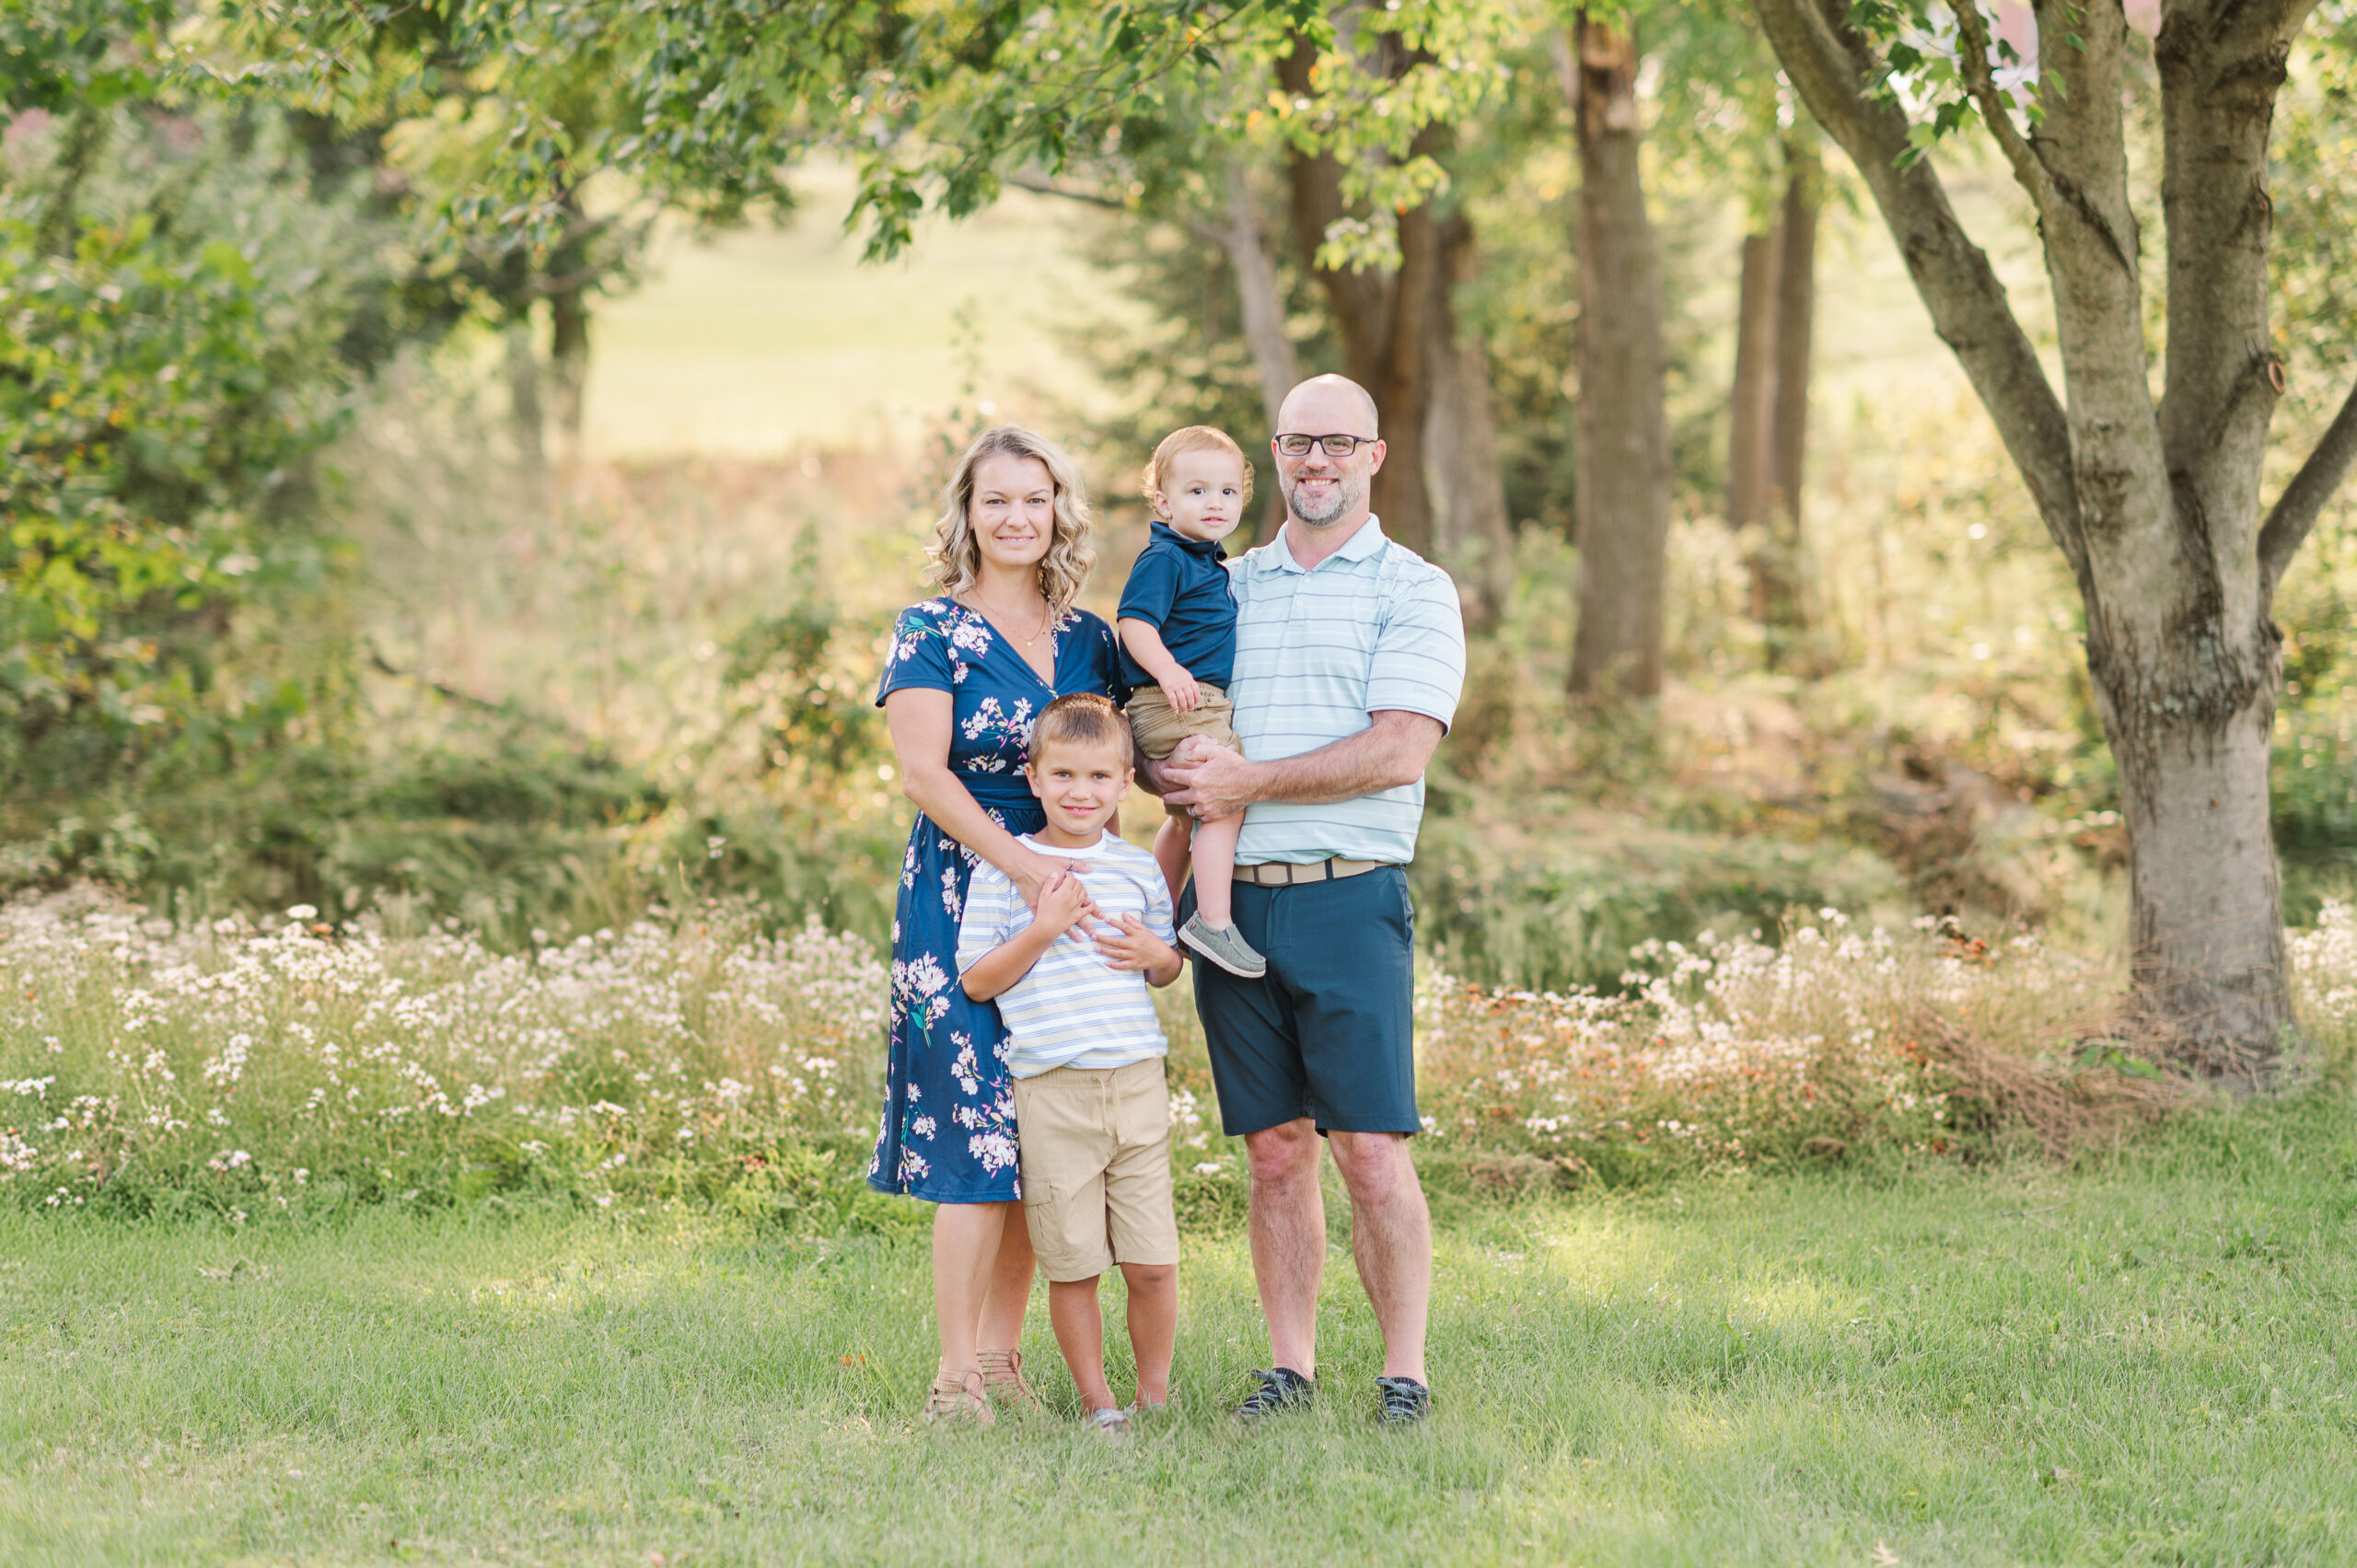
<point>1371,628</point>
<point>1073,1009</point>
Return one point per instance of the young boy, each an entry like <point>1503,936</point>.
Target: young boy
<point>1092,1114</point>
<point>1177,624</point>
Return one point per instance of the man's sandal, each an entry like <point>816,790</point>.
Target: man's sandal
<point>956,1401</point>
<point>1003,1379</point>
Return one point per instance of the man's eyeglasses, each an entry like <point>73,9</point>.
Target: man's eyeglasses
<point>1333,446</point>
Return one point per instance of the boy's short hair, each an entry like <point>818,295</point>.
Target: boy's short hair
<point>1081,718</point>
<point>1194,438</point>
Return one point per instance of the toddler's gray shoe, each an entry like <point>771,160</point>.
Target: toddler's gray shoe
<point>1225,945</point>
<point>1113,1426</point>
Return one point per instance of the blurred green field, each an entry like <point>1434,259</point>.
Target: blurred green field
<point>769,339</point>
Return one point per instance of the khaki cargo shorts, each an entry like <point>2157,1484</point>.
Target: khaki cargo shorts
<point>1097,1167</point>
<point>1158,728</point>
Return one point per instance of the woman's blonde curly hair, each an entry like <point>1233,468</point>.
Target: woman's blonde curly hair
<point>956,557</point>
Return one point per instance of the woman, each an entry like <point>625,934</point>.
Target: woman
<point>966,674</point>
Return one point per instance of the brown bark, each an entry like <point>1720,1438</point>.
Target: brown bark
<point>1471,534</point>
<point>2154,506</point>
<point>1780,604</point>
<point>1380,317</point>
<point>1751,403</point>
<point>1262,306</point>
<point>1620,518</point>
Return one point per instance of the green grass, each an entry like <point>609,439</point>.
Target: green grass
<point>2147,1360</point>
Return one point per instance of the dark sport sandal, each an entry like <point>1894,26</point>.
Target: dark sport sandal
<point>1278,1389</point>
<point>1405,1401</point>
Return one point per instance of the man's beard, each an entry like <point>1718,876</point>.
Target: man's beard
<point>1350,492</point>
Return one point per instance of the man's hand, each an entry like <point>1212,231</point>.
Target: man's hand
<point>1128,945</point>
<point>1211,780</point>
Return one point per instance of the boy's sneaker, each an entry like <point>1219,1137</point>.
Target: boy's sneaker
<point>1113,1426</point>
<point>1280,1389</point>
<point>1225,945</point>
<point>1406,1403</point>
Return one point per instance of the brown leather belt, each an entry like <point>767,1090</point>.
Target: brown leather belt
<point>1284,874</point>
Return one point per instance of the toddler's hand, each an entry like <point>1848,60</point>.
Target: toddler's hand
<point>1130,945</point>
<point>1185,694</point>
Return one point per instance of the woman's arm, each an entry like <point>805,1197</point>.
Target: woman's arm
<point>920,718</point>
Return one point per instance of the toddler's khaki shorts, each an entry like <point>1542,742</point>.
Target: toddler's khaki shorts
<point>1158,728</point>
<point>1096,1146</point>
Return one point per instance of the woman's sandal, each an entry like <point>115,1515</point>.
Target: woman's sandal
<point>1003,1376</point>
<point>953,1400</point>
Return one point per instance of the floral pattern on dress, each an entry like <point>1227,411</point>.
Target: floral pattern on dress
<point>947,1133</point>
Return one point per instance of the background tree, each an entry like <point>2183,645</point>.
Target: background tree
<point>2154,503</point>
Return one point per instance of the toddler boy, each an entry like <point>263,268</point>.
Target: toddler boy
<point>1092,1114</point>
<point>1177,624</point>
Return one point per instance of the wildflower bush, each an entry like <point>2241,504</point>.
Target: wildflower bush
<point>234,1067</point>
<point>238,1069</point>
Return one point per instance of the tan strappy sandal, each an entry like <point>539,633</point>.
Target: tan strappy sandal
<point>1003,1376</point>
<point>954,1402</point>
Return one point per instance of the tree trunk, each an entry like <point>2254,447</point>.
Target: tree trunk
<point>1379,316</point>
<point>569,368</point>
<point>1471,534</point>
<point>1621,433</point>
<point>1751,403</point>
<point>1780,604</point>
<point>1261,304</point>
<point>2156,508</point>
<point>524,410</point>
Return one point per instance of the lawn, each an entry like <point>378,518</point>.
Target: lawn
<point>2147,1359</point>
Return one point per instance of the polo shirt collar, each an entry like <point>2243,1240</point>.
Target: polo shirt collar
<point>1209,548</point>
<point>1358,547</point>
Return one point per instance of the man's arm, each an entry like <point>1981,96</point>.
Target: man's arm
<point>1392,750</point>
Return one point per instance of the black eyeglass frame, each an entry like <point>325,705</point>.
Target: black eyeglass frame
<point>1355,443</point>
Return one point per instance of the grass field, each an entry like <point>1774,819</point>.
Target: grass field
<point>2147,1360</point>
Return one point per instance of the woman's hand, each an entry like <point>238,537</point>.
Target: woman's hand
<point>1031,873</point>
<point>1184,693</point>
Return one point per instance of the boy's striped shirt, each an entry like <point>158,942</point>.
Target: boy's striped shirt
<point>1073,1009</point>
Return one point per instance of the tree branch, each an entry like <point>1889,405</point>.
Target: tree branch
<point>1831,65</point>
<point>2028,170</point>
<point>1038,186</point>
<point>2296,511</point>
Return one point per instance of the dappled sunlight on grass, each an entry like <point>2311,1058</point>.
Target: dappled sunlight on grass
<point>2139,1360</point>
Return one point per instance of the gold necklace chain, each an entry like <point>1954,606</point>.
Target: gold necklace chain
<point>1047,620</point>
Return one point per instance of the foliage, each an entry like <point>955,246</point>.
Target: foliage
<point>172,364</point>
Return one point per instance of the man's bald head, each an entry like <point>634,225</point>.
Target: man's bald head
<point>1328,405</point>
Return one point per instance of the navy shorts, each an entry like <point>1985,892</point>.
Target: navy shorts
<point>1330,1032</point>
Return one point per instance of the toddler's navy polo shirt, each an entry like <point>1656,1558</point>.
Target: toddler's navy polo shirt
<point>1180,588</point>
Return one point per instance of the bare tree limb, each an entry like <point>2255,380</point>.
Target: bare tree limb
<point>1041,186</point>
<point>2296,511</point>
<point>1831,65</point>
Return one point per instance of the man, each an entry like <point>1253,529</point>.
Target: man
<point>1349,659</point>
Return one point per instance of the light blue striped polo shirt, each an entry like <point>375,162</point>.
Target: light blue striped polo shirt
<point>1371,628</point>
<point>1073,1009</point>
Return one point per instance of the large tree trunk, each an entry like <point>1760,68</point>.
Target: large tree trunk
<point>1471,534</point>
<point>1262,307</point>
<point>1380,317</point>
<point>1751,403</point>
<point>1779,603</point>
<point>1621,435</point>
<point>2156,508</point>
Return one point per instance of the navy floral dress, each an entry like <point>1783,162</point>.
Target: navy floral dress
<point>949,1131</point>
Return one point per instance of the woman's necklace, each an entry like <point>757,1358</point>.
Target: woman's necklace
<point>1047,618</point>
